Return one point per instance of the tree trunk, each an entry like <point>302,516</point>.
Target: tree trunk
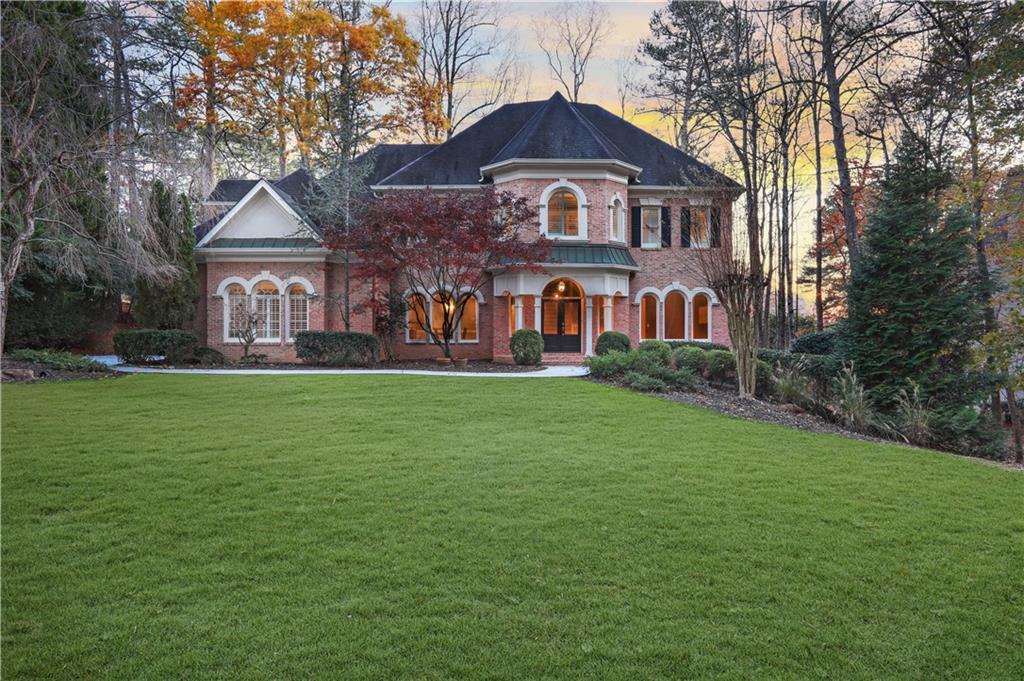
<point>1017,428</point>
<point>819,302</point>
<point>838,133</point>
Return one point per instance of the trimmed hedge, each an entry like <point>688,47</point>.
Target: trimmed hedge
<point>612,340</point>
<point>697,344</point>
<point>660,349</point>
<point>817,343</point>
<point>688,357</point>
<point>138,345</point>
<point>721,366</point>
<point>337,348</point>
<point>60,361</point>
<point>527,347</point>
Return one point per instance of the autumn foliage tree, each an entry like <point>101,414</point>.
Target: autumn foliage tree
<point>443,244</point>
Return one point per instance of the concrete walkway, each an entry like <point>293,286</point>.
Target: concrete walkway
<point>546,372</point>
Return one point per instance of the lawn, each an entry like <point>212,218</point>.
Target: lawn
<point>394,527</point>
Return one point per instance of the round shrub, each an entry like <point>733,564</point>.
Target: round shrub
<point>207,356</point>
<point>765,380</point>
<point>817,343</point>
<point>692,358</point>
<point>634,380</point>
<point>721,366</point>
<point>527,347</point>
<point>656,348</point>
<point>612,340</point>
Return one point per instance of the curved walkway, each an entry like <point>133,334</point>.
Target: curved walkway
<point>546,372</point>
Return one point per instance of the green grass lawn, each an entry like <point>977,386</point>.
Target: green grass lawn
<point>400,527</point>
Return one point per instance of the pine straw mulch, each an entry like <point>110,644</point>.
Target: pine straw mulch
<point>14,371</point>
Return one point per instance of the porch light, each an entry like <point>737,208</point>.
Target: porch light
<point>561,287</point>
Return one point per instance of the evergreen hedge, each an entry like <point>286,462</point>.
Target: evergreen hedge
<point>337,348</point>
<point>138,345</point>
<point>527,347</point>
<point>612,340</point>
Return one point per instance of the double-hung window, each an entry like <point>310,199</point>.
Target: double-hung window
<point>650,232</point>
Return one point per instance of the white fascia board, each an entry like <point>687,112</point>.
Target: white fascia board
<point>261,185</point>
<point>258,254</point>
<point>567,163</point>
<point>388,187</point>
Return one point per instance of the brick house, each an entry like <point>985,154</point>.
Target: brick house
<point>627,212</point>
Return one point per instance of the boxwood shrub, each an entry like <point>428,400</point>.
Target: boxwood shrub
<point>337,348</point>
<point>612,340</point>
<point>817,343</point>
<point>660,349</point>
<point>721,366</point>
<point>645,383</point>
<point>139,345</point>
<point>527,347</point>
<point>692,358</point>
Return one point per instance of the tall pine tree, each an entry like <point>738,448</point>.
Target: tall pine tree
<point>914,311</point>
<point>172,305</point>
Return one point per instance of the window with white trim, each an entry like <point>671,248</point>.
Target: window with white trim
<point>236,308</point>
<point>616,221</point>
<point>651,227</point>
<point>675,316</point>
<point>700,229</point>
<point>298,310</point>
<point>563,214</point>
<point>267,306</point>
<point>701,324</point>
<point>416,319</point>
<point>469,329</point>
<point>649,317</point>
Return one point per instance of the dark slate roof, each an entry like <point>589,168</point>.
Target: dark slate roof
<point>558,130</point>
<point>590,254</point>
<point>555,128</point>
<point>204,227</point>
<point>266,242</point>
<point>385,159</point>
<point>231,191</point>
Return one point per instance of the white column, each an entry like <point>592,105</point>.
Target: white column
<point>608,307</point>
<point>536,314</point>
<point>519,311</point>
<point>661,319</point>
<point>590,326</point>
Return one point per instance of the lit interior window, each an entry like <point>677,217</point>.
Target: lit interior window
<point>267,306</point>
<point>675,316</point>
<point>563,214</point>
<point>416,318</point>
<point>701,317</point>
<point>298,310</point>
<point>648,317</point>
<point>699,231</point>
<point>468,320</point>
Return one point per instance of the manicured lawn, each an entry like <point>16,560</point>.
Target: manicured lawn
<point>435,528</point>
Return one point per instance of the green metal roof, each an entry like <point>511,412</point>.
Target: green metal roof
<point>591,254</point>
<point>267,242</point>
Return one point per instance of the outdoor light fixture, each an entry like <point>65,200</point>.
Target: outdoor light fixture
<point>561,287</point>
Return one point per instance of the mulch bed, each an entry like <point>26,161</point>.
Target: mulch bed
<point>15,371</point>
<point>412,365</point>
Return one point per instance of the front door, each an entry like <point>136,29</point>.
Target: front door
<point>560,321</point>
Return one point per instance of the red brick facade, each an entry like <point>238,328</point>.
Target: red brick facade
<point>660,269</point>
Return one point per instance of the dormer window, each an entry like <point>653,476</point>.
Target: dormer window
<point>563,214</point>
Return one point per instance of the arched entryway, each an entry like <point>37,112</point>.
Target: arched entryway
<point>562,304</point>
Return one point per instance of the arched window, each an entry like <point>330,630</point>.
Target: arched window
<point>563,214</point>
<point>701,327</point>
<point>267,306</point>
<point>616,221</point>
<point>298,310</point>
<point>236,307</point>
<point>416,319</point>
<point>675,316</point>
<point>468,329</point>
<point>648,317</point>
<point>441,307</point>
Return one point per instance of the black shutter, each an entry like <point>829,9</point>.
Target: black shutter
<point>716,226</point>
<point>634,227</point>
<point>684,227</point>
<point>666,227</point>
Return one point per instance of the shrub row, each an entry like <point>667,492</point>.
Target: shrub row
<point>697,344</point>
<point>140,345</point>
<point>641,370</point>
<point>59,361</point>
<point>337,348</point>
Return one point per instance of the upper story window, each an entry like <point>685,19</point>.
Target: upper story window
<point>616,221</point>
<point>700,228</point>
<point>650,232</point>
<point>563,214</point>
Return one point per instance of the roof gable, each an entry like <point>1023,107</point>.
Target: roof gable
<point>264,212</point>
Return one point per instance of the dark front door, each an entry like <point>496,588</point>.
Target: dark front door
<point>560,321</point>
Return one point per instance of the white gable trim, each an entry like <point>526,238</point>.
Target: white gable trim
<point>262,185</point>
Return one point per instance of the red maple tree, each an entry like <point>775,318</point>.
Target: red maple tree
<point>442,245</point>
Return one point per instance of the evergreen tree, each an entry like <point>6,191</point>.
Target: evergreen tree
<point>171,305</point>
<point>914,311</point>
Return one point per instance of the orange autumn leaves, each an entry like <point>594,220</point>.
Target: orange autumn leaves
<point>289,71</point>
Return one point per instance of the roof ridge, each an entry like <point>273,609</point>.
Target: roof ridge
<point>530,123</point>
<point>601,138</point>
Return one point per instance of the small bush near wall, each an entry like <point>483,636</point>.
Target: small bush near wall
<point>817,343</point>
<point>337,348</point>
<point>138,345</point>
<point>628,367</point>
<point>612,340</point>
<point>527,347</point>
<point>660,349</point>
<point>696,344</point>
<point>721,366</point>
<point>688,357</point>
